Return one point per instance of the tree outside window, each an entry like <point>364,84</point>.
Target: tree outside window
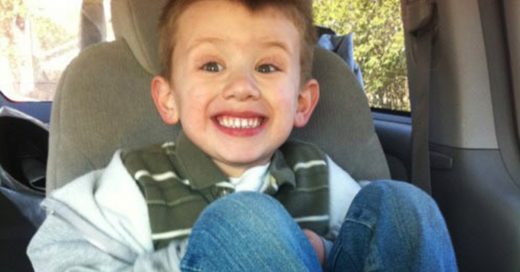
<point>378,45</point>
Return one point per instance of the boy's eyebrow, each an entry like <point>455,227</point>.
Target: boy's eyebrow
<point>277,44</point>
<point>216,40</point>
<point>197,42</point>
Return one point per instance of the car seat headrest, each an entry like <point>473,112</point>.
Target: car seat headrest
<point>136,21</point>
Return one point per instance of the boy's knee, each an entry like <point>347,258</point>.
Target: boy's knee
<point>244,201</point>
<point>397,204</point>
<point>244,207</point>
<point>395,197</point>
<point>397,192</point>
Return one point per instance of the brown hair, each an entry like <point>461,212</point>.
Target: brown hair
<point>298,11</point>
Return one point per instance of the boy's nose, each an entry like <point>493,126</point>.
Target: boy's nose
<point>242,87</point>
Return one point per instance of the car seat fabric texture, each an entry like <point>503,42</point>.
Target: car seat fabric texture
<point>103,103</point>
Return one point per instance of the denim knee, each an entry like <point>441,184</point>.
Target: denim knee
<point>251,211</point>
<point>241,205</point>
<point>400,194</point>
<point>392,203</point>
<point>387,217</point>
<point>250,199</point>
<point>248,231</point>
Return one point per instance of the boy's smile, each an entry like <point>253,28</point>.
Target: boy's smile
<point>235,84</point>
<point>244,124</point>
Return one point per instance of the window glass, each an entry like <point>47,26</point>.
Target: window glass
<point>378,39</point>
<point>38,38</point>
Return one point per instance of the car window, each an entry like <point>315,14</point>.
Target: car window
<point>38,38</point>
<point>378,39</point>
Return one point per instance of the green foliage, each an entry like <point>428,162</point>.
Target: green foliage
<point>14,13</point>
<point>50,34</point>
<point>29,39</point>
<point>378,45</point>
<point>10,11</point>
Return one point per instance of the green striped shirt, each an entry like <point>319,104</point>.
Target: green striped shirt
<point>178,180</point>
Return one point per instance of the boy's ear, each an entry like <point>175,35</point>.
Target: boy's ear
<point>164,100</point>
<point>307,101</point>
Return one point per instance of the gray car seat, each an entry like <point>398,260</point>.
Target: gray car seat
<point>103,103</point>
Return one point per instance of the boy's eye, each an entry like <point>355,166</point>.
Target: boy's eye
<point>266,68</point>
<point>212,67</point>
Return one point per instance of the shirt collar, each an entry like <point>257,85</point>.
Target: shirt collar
<point>194,165</point>
<point>280,171</point>
<point>201,172</point>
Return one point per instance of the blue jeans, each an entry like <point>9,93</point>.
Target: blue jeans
<point>390,226</point>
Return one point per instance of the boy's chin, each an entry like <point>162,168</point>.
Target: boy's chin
<point>245,152</point>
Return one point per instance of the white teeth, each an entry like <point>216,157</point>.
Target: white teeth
<point>240,123</point>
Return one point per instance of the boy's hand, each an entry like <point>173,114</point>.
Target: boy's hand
<point>317,244</point>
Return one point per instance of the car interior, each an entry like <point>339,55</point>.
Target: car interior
<point>472,149</point>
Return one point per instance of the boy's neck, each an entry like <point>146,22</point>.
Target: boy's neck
<point>236,171</point>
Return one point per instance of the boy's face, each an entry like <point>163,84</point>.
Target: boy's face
<point>235,83</point>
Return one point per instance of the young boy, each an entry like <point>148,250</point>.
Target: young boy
<point>237,77</point>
